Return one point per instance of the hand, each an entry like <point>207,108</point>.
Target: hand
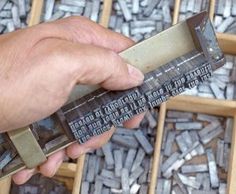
<point>41,65</point>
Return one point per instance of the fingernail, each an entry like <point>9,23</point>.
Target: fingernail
<point>135,73</point>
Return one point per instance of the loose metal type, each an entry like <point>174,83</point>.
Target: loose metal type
<point>173,60</point>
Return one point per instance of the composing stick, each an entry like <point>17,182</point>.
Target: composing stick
<point>173,60</point>
<point>113,108</point>
<point>98,111</point>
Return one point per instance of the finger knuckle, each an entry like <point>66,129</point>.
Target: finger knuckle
<point>116,62</point>
<point>47,172</point>
<point>42,30</point>
<point>75,19</point>
<point>113,56</point>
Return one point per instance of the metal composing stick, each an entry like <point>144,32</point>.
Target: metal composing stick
<point>172,61</point>
<point>113,108</point>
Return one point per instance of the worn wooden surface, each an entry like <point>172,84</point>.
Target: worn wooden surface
<point>227,43</point>
<point>106,12</point>
<point>78,174</point>
<point>176,12</point>
<point>203,105</point>
<point>5,185</point>
<point>36,11</point>
<point>157,150</point>
<point>212,9</point>
<point>67,170</point>
<point>232,167</point>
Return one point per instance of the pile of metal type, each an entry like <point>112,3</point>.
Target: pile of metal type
<point>190,7</point>
<point>54,10</point>
<point>194,154</point>
<point>40,185</point>
<point>140,19</point>
<point>222,85</point>
<point>13,14</point>
<point>123,165</point>
<point>8,158</point>
<point>225,12</point>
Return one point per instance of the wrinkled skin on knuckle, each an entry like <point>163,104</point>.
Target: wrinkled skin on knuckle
<point>117,64</point>
<point>67,61</point>
<point>90,62</point>
<point>98,65</point>
<point>78,28</point>
<point>114,62</point>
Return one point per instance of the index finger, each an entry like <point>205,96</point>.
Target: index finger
<point>82,30</point>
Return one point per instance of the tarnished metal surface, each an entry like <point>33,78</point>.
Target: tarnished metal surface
<point>27,147</point>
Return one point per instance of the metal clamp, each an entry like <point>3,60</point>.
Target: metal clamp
<point>27,147</point>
